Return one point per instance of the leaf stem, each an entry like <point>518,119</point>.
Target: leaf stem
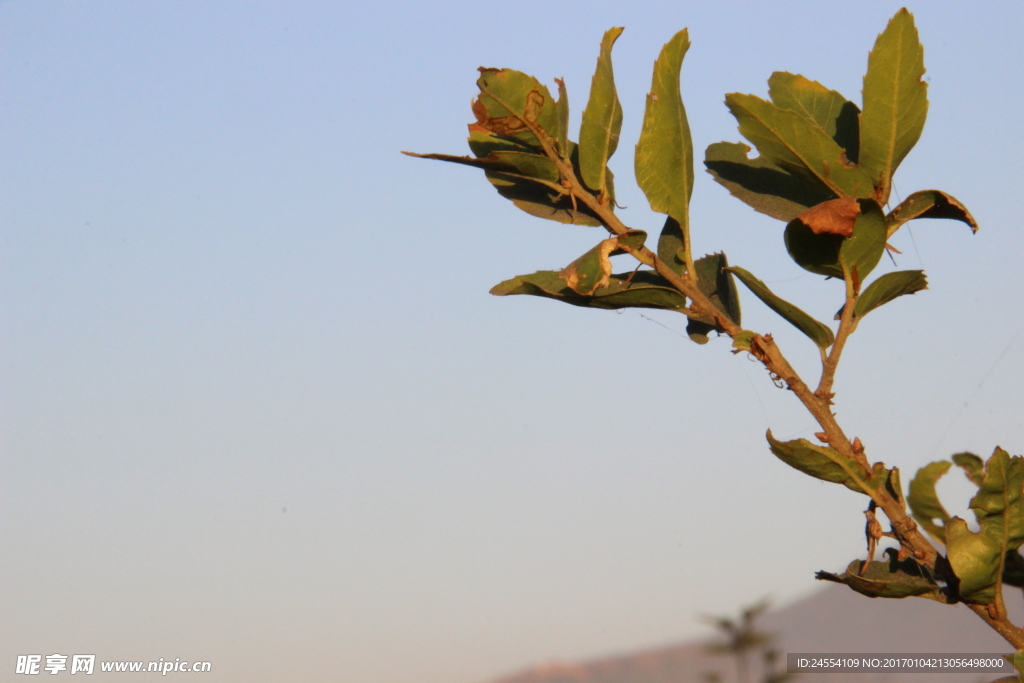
<point>830,363</point>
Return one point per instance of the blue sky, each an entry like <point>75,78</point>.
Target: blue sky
<point>258,407</point>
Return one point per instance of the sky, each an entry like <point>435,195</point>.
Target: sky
<point>258,408</point>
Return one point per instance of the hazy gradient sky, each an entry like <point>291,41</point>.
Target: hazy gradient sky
<point>258,407</point>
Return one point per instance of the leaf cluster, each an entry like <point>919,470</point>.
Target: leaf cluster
<point>824,167</point>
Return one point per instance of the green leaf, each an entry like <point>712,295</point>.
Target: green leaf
<point>929,204</point>
<point>895,102</point>
<point>602,119</point>
<point>594,268</point>
<point>562,110</point>
<point>542,198</point>
<point>888,287</point>
<point>761,184</point>
<point>827,109</point>
<point>975,559</point>
<point>499,155</point>
<point>715,281</point>
<point>998,504</point>
<point>819,462</point>
<point>818,332</point>
<point>972,465</point>
<point>516,106</point>
<point>664,155</point>
<point>798,145</point>
<point>861,252</point>
<point>520,174</point>
<point>891,579</point>
<point>642,289</point>
<point>925,505</point>
<point>1018,664</point>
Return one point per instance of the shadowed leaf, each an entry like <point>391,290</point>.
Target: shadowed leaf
<point>643,289</point>
<point>664,155</point>
<point>816,253</point>
<point>717,285</point>
<point>827,109</point>
<point>929,204</point>
<point>542,200</point>
<point>891,579</point>
<point>762,185</point>
<point>602,119</point>
<point>895,102</point>
<point>797,145</point>
<point>888,287</point>
<point>818,332</point>
<point>924,502</point>
<point>521,174</point>
<point>671,248</point>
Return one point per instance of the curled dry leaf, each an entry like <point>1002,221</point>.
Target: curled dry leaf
<point>508,126</point>
<point>834,217</point>
<point>592,270</point>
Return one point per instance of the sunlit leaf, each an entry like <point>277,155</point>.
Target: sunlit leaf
<point>514,105</point>
<point>602,119</point>
<point>562,110</point>
<point>972,465</point>
<point>895,102</point>
<point>664,155</point>
<point>999,504</point>
<point>797,145</point>
<point>827,109</point>
<point>860,253</point>
<point>593,270</point>
<point>819,462</point>
<point>974,558</point>
<point>924,502</point>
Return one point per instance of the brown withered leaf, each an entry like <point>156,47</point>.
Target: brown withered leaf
<point>834,217</point>
<point>508,126</point>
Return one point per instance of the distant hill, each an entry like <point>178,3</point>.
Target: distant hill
<point>833,620</point>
